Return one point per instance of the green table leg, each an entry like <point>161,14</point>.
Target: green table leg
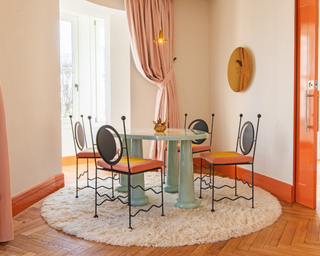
<point>172,178</point>
<point>123,184</point>
<point>138,196</point>
<point>186,198</point>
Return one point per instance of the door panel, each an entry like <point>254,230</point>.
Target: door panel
<point>307,101</point>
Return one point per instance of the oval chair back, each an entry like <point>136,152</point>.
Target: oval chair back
<point>109,144</point>
<point>78,134</point>
<point>199,125</point>
<point>247,139</point>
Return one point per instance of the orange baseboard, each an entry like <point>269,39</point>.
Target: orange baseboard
<point>71,160</point>
<point>277,188</point>
<point>68,160</point>
<point>32,195</point>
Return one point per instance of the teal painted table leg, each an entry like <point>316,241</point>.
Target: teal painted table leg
<point>123,184</point>
<point>172,178</point>
<point>138,196</point>
<point>186,198</point>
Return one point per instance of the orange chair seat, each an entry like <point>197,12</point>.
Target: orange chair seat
<point>136,164</point>
<point>88,153</point>
<point>196,148</point>
<point>228,157</point>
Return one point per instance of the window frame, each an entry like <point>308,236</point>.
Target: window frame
<point>75,61</point>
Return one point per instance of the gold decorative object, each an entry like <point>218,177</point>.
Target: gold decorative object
<point>160,127</point>
<point>239,69</point>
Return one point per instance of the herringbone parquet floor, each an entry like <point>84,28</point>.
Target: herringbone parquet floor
<point>296,232</point>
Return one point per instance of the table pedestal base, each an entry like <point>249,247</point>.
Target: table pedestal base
<point>123,184</point>
<point>170,189</point>
<point>138,197</point>
<point>172,177</point>
<point>186,199</point>
<point>187,205</point>
<point>139,201</point>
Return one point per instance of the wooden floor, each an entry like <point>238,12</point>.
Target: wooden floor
<point>296,232</point>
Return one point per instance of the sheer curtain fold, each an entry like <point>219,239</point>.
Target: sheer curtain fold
<point>155,61</point>
<point>6,225</point>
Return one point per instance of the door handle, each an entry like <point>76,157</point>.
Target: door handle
<point>306,125</point>
<point>77,86</point>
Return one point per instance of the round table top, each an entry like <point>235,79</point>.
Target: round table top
<point>168,134</point>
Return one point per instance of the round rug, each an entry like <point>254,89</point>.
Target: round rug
<point>179,227</point>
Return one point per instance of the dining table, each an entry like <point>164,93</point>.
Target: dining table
<point>181,181</point>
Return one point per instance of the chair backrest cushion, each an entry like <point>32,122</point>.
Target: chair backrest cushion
<point>246,138</point>
<point>199,125</point>
<point>109,144</point>
<point>79,135</point>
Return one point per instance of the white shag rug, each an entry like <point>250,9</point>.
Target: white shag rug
<point>179,227</point>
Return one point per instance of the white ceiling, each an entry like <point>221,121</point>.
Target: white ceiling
<point>87,8</point>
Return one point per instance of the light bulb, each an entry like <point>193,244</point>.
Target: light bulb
<point>160,39</point>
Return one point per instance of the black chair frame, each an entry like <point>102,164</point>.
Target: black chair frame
<point>123,199</point>
<point>94,146</point>
<point>79,146</point>
<point>245,152</point>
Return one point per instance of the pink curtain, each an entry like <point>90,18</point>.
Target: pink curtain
<point>155,61</point>
<point>6,225</point>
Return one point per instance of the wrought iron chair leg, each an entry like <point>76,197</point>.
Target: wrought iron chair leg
<point>252,186</point>
<point>212,188</point>
<point>112,184</point>
<point>87,172</point>
<point>164,166</point>
<point>235,179</point>
<point>200,178</point>
<point>95,195</point>
<point>162,194</point>
<point>129,199</point>
<point>77,179</point>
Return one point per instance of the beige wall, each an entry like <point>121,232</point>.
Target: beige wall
<point>119,70</point>
<point>29,74</point>
<point>266,30</point>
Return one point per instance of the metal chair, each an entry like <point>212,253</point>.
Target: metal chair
<point>111,149</point>
<point>246,141</point>
<point>197,145</point>
<point>82,152</point>
<point>94,146</point>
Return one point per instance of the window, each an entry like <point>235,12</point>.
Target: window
<point>76,90</point>
<point>100,92</point>
<point>67,67</point>
<point>95,67</point>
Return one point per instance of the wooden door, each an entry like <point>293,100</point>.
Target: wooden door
<point>306,102</point>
